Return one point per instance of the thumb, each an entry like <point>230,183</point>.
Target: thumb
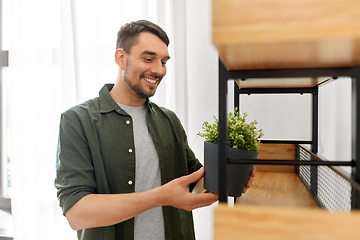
<point>195,176</point>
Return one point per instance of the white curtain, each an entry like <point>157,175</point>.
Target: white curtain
<point>61,54</point>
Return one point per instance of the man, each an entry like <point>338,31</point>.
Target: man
<point>124,168</point>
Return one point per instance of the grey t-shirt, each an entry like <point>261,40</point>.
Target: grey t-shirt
<point>149,224</point>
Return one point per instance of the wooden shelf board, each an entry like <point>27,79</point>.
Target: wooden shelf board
<point>280,82</point>
<point>262,34</point>
<point>276,152</point>
<point>277,185</point>
<point>250,222</point>
<point>278,189</point>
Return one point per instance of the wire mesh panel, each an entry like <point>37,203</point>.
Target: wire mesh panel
<point>330,190</point>
<point>333,190</point>
<point>304,171</point>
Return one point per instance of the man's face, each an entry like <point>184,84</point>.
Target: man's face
<point>145,65</point>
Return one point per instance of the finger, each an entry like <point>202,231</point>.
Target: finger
<point>195,176</point>
<point>249,182</point>
<point>253,172</point>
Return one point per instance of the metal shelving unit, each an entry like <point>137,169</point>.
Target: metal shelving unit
<point>315,161</point>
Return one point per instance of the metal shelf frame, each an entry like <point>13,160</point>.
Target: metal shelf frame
<point>225,75</point>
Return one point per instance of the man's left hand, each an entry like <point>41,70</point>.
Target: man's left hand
<point>250,180</point>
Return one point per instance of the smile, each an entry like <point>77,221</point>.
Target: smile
<point>150,80</point>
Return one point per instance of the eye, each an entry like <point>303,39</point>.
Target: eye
<point>163,63</point>
<point>147,59</point>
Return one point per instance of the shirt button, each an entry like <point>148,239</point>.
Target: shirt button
<point>130,150</point>
<point>130,182</point>
<point>127,122</point>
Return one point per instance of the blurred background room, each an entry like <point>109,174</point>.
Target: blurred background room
<point>59,53</point>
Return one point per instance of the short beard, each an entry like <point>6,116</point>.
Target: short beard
<point>137,88</point>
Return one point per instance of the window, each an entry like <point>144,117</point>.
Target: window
<point>5,184</point>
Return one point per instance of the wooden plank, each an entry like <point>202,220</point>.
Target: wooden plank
<point>276,152</point>
<point>279,190</point>
<point>249,222</point>
<point>262,34</point>
<point>276,185</point>
<point>280,82</point>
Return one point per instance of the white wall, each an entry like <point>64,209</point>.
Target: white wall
<point>335,120</point>
<point>280,116</point>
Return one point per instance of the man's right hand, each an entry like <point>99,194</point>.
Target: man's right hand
<point>176,193</point>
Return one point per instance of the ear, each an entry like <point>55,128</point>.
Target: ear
<point>120,58</point>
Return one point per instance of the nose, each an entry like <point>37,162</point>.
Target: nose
<point>158,68</point>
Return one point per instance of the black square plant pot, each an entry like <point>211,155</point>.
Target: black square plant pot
<point>237,174</point>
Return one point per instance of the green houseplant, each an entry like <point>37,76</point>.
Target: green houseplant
<point>243,142</point>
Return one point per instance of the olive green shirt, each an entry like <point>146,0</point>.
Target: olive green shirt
<point>96,155</point>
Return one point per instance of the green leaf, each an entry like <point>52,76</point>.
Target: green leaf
<point>241,135</point>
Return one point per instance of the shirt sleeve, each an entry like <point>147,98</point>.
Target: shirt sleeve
<point>74,169</point>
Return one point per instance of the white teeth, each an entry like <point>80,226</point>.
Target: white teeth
<point>150,80</point>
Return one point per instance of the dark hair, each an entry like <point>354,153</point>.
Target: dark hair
<point>128,34</point>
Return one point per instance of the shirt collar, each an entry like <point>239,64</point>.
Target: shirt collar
<point>107,103</point>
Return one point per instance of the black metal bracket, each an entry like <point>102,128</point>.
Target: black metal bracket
<point>291,162</point>
<point>291,73</point>
<point>274,90</point>
<point>287,141</point>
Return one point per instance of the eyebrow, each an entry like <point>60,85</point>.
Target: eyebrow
<point>154,54</point>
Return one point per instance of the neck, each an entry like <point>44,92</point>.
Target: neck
<point>123,94</point>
